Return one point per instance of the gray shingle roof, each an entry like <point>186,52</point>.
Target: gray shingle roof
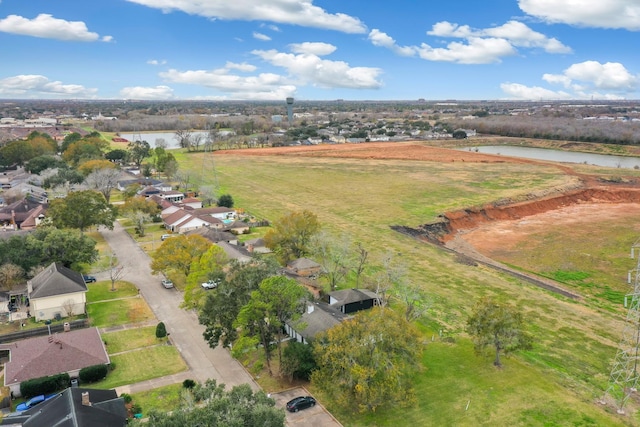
<point>56,279</point>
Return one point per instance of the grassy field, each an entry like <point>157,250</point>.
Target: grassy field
<point>556,383</point>
<point>119,312</point>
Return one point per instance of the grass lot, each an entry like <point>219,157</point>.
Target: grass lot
<point>162,399</point>
<point>119,312</point>
<point>556,383</point>
<point>101,291</point>
<point>143,364</point>
<point>131,339</point>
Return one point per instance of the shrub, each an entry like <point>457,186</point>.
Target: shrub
<point>136,409</point>
<point>126,397</point>
<point>94,373</point>
<point>161,330</point>
<point>188,383</point>
<point>112,366</point>
<point>44,385</point>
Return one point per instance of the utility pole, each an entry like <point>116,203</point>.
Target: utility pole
<point>623,380</point>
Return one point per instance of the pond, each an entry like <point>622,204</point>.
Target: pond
<point>151,137</point>
<point>559,156</point>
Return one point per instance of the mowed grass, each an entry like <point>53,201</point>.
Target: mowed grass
<point>161,399</point>
<point>131,339</point>
<point>119,312</point>
<point>141,365</point>
<point>101,291</point>
<point>556,383</point>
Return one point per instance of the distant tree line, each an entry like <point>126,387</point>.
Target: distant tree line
<point>558,128</point>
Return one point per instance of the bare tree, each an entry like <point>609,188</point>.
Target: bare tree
<point>116,272</point>
<point>103,180</point>
<point>333,254</point>
<point>196,141</point>
<point>68,305</point>
<point>392,273</point>
<point>360,262</point>
<point>161,143</point>
<point>183,136</point>
<point>183,179</point>
<point>415,302</point>
<point>139,220</point>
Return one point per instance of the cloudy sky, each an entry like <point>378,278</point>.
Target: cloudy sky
<point>320,49</point>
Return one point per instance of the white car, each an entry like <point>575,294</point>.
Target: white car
<point>168,284</point>
<point>210,284</point>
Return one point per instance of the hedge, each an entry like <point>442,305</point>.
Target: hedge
<point>44,385</point>
<point>94,373</point>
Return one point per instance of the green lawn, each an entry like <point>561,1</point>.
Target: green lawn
<point>131,339</point>
<point>142,365</point>
<point>161,399</point>
<point>119,312</point>
<point>557,382</point>
<point>101,291</point>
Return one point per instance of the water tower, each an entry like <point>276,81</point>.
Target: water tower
<point>290,110</point>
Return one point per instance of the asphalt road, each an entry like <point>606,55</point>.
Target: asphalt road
<point>185,331</point>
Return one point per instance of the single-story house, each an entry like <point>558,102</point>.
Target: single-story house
<point>51,355</point>
<point>353,300</point>
<point>235,252</point>
<point>57,291</point>
<point>192,202</point>
<point>182,221</point>
<point>318,317</point>
<point>215,235</point>
<point>257,246</point>
<point>219,212</point>
<point>25,211</point>
<point>237,227</point>
<point>74,407</point>
<point>304,267</point>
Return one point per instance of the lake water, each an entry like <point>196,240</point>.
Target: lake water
<point>151,137</point>
<point>559,156</point>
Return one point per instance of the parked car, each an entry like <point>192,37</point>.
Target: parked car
<point>167,283</point>
<point>166,236</point>
<point>210,284</point>
<point>33,402</point>
<point>88,279</point>
<point>300,402</point>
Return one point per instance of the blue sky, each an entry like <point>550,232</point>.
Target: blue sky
<point>320,49</point>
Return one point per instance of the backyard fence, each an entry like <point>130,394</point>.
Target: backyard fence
<point>45,330</point>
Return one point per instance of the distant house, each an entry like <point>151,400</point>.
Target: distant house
<point>77,407</point>
<point>25,212</point>
<point>235,252</point>
<point>182,221</point>
<point>257,246</point>
<point>57,292</point>
<point>304,267</point>
<point>353,300</point>
<point>219,212</point>
<point>42,356</point>
<point>215,235</point>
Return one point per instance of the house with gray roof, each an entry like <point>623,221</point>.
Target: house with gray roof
<point>56,292</point>
<point>74,407</point>
<point>53,354</point>
<point>353,300</point>
<point>318,317</point>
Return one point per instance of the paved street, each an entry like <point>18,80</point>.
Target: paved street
<point>183,327</point>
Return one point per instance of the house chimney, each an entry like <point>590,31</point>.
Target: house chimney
<point>310,308</point>
<point>85,399</point>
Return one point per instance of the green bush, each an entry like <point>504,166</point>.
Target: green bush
<point>126,397</point>
<point>161,330</point>
<point>94,373</point>
<point>44,385</point>
<point>136,409</point>
<point>188,383</point>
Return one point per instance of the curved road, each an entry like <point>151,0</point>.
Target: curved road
<point>186,333</point>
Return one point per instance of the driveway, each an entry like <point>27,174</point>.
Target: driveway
<point>183,327</point>
<point>316,416</point>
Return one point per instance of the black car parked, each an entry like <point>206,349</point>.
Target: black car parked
<point>301,402</point>
<point>88,279</point>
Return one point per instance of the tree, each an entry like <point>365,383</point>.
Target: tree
<point>368,361</point>
<point>82,209</point>
<point>118,155</point>
<point>92,165</point>
<point>183,136</point>
<point>116,272</point>
<point>138,151</point>
<point>207,267</point>
<point>161,330</point>
<point>225,201</point>
<point>140,204</point>
<point>68,247</point>
<point>459,134</point>
<point>139,220</point>
<point>277,300</point>
<point>10,276</point>
<point>221,307</point>
<point>297,361</point>
<point>361,261</point>
<point>415,303</point>
<point>103,180</point>
<point>290,237</point>
<point>334,256</point>
<point>40,163</point>
<point>239,406</point>
<point>499,326</point>
<point>178,253</point>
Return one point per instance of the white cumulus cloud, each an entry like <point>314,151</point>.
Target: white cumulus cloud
<point>587,13</point>
<point>247,68</point>
<point>532,93</point>
<point>310,68</point>
<point>150,93</point>
<point>156,62</point>
<point>381,39</point>
<point>475,51</point>
<point>314,48</point>
<point>34,86</point>
<point>46,26</point>
<point>294,12</point>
